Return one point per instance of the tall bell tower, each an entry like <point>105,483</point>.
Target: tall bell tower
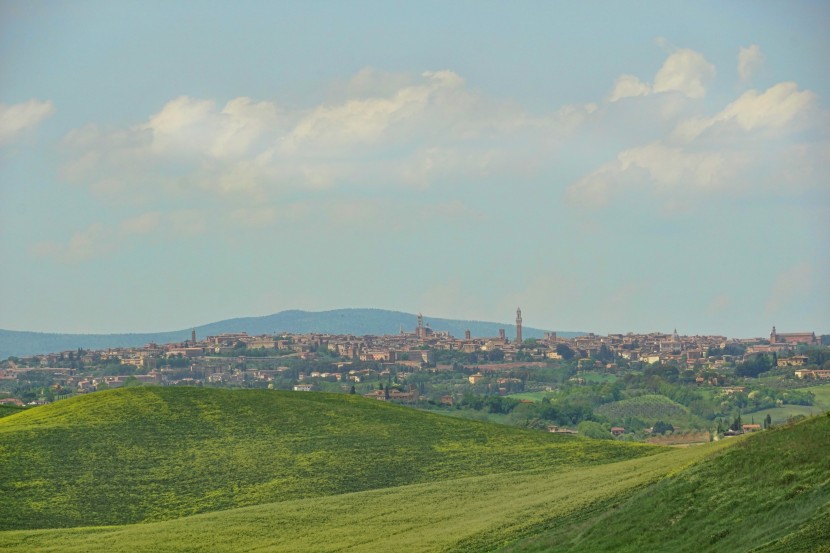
<point>519,326</point>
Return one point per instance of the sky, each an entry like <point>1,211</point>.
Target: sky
<point>607,166</point>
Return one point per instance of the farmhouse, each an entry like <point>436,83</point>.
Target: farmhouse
<point>814,373</point>
<point>794,361</point>
<point>476,378</point>
<point>559,430</point>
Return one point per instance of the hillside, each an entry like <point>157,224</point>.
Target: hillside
<point>463,515</point>
<point>339,321</point>
<point>768,492</point>
<point>153,453</point>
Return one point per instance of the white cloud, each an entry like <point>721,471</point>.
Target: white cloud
<point>627,86</point>
<point>663,169</point>
<point>748,145</point>
<point>16,119</point>
<point>773,109</point>
<point>750,60</point>
<point>412,132</point>
<point>438,102</point>
<point>685,71</point>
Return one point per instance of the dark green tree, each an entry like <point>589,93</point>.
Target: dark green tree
<point>661,427</point>
<point>566,352</point>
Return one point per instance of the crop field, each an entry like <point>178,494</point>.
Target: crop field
<point>156,453</point>
<point>648,408</point>
<point>468,514</point>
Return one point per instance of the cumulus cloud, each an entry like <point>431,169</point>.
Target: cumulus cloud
<point>411,131</point>
<point>737,149</point>
<point>750,60</point>
<point>16,119</point>
<point>664,169</point>
<point>685,71</point>
<point>745,145</point>
<point>773,109</point>
<point>627,86</point>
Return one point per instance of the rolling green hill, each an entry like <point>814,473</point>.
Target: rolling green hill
<point>769,492</point>
<point>473,514</point>
<point>154,453</point>
<point>332,472</point>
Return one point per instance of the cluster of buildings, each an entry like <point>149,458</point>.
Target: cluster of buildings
<point>225,358</point>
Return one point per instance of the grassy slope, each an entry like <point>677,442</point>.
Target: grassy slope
<point>470,514</point>
<point>153,453</point>
<point>770,492</point>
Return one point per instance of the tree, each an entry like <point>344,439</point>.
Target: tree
<point>605,354</point>
<point>566,352</point>
<point>754,365</point>
<point>661,427</point>
<point>591,429</point>
<point>495,355</point>
<point>352,390</point>
<point>768,421</point>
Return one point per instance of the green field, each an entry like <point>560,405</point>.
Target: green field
<point>467,514</point>
<point>155,453</point>
<point>322,472</point>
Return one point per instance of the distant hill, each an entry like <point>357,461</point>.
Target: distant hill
<point>338,321</point>
<point>149,453</point>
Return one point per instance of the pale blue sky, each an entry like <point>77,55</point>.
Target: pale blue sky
<point>608,166</point>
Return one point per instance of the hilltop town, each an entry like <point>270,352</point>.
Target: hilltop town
<point>411,365</point>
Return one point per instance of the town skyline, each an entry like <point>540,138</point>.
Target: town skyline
<point>608,167</point>
<point>354,323</point>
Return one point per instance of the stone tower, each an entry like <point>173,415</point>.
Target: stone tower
<point>519,326</point>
